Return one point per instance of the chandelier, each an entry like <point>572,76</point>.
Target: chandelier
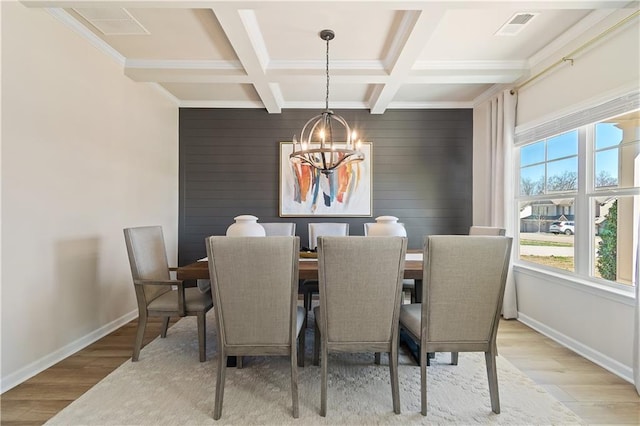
<point>321,146</point>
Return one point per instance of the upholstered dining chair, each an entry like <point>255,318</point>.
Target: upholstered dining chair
<point>486,230</point>
<point>317,229</point>
<point>255,319</point>
<point>154,287</point>
<point>408,286</point>
<point>360,282</point>
<point>273,229</point>
<point>464,279</point>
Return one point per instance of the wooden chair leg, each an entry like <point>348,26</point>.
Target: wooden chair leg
<point>222,365</point>
<point>202,336</point>
<point>294,383</point>
<point>492,375</point>
<point>137,344</point>
<point>423,381</point>
<point>454,358</point>
<point>323,385</point>
<point>316,345</point>
<point>393,370</point>
<point>239,361</point>
<point>376,359</point>
<point>302,342</point>
<point>165,327</point>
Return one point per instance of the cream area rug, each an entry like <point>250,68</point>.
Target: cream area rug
<point>168,386</point>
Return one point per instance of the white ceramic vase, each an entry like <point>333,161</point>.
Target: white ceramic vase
<point>245,226</point>
<point>387,226</point>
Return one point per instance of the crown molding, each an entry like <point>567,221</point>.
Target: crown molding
<point>573,34</point>
<point>470,65</point>
<point>430,105</point>
<point>184,64</point>
<point>68,20</point>
<point>222,104</point>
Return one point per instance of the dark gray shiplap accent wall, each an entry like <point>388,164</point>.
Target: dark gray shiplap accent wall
<point>229,165</point>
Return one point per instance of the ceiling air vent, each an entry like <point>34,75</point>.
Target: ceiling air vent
<point>112,21</point>
<point>516,23</point>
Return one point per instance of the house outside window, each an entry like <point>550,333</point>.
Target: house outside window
<point>578,200</point>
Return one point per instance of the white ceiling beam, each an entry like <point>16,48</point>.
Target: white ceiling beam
<point>204,71</point>
<point>416,28</point>
<point>240,27</point>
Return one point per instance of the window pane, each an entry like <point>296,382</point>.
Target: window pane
<point>532,154</point>
<point>563,145</point>
<point>562,175</point>
<point>617,154</point>
<point>607,134</point>
<point>614,238</point>
<point>546,232</point>
<point>532,180</point>
<point>606,168</point>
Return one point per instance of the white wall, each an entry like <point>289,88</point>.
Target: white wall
<point>85,153</point>
<point>588,319</point>
<point>610,67</point>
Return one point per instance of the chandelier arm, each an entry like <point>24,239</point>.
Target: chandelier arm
<point>346,126</point>
<point>313,120</point>
<point>346,157</point>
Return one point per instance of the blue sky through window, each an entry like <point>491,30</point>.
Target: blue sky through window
<point>563,145</point>
<point>607,135</point>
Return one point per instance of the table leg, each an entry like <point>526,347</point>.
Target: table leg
<point>418,290</point>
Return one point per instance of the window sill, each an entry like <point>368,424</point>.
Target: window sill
<point>619,295</point>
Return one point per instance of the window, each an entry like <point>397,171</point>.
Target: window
<point>579,199</point>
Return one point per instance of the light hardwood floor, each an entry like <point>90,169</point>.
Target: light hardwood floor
<point>593,393</point>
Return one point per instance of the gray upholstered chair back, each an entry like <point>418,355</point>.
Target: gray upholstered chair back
<point>147,257</point>
<point>486,230</point>
<point>255,288</point>
<point>360,282</point>
<point>464,278</point>
<point>274,229</point>
<point>318,229</point>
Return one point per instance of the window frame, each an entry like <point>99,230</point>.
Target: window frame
<point>584,207</point>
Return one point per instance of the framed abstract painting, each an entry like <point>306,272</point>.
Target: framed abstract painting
<point>305,191</point>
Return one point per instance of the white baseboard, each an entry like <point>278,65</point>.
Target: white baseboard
<point>28,371</point>
<point>608,363</point>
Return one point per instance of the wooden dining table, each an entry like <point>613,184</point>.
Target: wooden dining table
<point>308,270</point>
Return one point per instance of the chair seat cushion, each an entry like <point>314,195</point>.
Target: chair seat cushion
<point>193,298</point>
<point>411,317</point>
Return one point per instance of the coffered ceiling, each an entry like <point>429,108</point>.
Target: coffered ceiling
<point>386,54</point>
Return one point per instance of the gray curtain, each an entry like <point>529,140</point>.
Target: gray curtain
<point>502,126</point>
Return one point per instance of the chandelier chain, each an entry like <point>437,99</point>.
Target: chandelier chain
<point>326,101</point>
